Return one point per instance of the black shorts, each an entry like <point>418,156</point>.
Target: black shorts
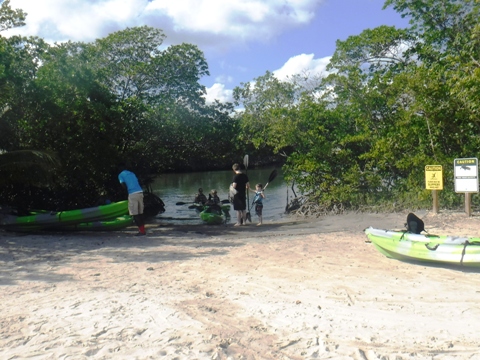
<point>258,209</point>
<point>239,202</point>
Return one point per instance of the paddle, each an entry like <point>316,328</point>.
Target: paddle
<point>272,176</point>
<point>245,162</point>
<point>226,201</point>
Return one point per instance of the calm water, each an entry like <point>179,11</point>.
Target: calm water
<point>173,188</point>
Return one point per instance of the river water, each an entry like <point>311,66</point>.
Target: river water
<point>174,188</point>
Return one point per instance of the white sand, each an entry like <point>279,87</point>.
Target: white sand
<point>289,290</point>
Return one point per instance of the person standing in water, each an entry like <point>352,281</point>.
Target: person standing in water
<point>130,183</point>
<point>240,184</point>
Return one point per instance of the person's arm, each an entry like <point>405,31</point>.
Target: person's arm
<point>121,180</point>
<point>236,177</point>
<point>124,187</point>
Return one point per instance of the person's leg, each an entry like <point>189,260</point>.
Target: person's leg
<point>140,222</point>
<point>244,217</point>
<point>237,206</point>
<point>239,218</point>
<point>243,212</point>
<point>137,212</point>
<point>258,210</point>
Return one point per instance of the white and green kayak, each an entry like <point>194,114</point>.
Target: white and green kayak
<point>45,220</point>
<point>449,250</point>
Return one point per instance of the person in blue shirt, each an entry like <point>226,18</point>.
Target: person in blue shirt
<point>130,183</point>
<point>258,201</point>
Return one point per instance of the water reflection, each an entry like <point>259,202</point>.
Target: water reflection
<point>173,188</point>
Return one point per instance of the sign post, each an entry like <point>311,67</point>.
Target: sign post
<point>466,179</point>
<point>434,182</point>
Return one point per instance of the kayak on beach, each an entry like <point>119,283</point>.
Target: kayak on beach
<point>118,223</point>
<point>448,250</point>
<point>52,219</point>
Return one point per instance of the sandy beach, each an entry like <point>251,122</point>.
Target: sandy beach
<point>293,289</point>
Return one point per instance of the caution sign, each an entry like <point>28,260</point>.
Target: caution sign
<point>433,177</point>
<point>466,175</point>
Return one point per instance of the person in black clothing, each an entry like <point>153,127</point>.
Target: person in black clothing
<point>240,184</point>
<point>200,197</point>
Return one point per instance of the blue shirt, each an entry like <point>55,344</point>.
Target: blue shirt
<point>130,179</point>
<point>258,199</point>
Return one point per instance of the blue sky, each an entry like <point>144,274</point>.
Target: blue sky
<point>241,39</point>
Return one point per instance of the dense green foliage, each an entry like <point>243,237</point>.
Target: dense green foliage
<point>94,105</point>
<point>395,101</point>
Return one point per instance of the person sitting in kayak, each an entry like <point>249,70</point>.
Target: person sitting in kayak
<point>200,197</point>
<point>213,198</point>
<point>258,202</point>
<point>213,203</point>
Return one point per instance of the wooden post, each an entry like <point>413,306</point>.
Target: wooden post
<point>434,182</point>
<point>468,203</point>
<point>435,201</point>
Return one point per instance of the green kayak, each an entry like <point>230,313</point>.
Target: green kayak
<point>118,223</point>
<point>45,220</point>
<point>425,238</point>
<point>446,250</point>
<point>215,214</point>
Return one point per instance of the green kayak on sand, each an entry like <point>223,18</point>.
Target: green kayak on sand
<point>46,220</point>
<point>445,250</point>
<point>426,238</point>
<point>118,223</point>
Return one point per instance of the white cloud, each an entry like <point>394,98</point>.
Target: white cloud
<point>214,24</point>
<point>218,92</point>
<point>239,19</point>
<point>304,64</point>
<point>76,20</point>
<point>181,20</point>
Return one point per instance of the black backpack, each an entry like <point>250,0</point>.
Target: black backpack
<point>414,224</point>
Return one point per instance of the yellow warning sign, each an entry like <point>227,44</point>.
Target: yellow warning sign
<point>433,177</point>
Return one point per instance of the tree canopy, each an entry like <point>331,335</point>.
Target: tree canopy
<point>394,101</point>
<point>93,105</point>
